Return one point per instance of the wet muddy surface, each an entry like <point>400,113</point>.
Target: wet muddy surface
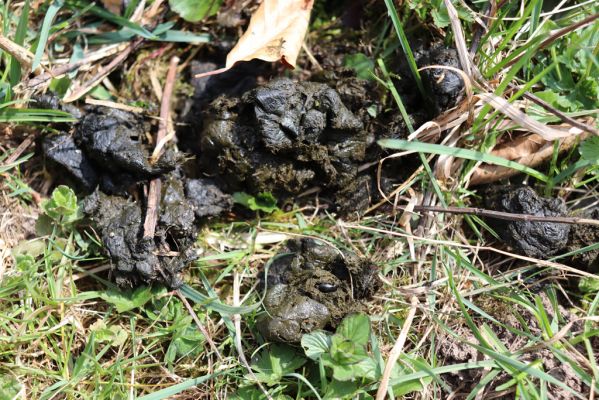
<point>137,259</point>
<point>530,238</point>
<point>540,239</point>
<point>312,285</point>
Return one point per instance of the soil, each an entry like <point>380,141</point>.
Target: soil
<point>311,285</point>
<point>531,238</point>
<point>514,317</point>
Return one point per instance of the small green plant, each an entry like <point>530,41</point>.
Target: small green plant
<point>344,365</point>
<point>264,202</point>
<point>352,367</point>
<point>195,10</point>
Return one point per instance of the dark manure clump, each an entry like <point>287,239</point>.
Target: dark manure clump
<point>107,150</point>
<point>312,285</point>
<point>109,156</point>
<point>445,85</point>
<point>285,138</point>
<point>536,239</point>
<point>541,239</point>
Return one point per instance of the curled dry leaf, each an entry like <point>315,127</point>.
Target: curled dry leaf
<point>276,33</point>
<point>530,150</point>
<point>512,112</point>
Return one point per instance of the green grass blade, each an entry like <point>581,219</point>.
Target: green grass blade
<point>473,155</point>
<point>20,33</point>
<point>45,32</point>
<point>20,115</point>
<point>215,304</point>
<point>8,167</point>
<point>179,387</point>
<point>391,87</point>
<point>116,19</point>
<point>405,45</point>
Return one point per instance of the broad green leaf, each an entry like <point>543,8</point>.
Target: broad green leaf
<point>129,300</point>
<point>187,342</point>
<point>355,328</point>
<point>265,202</point>
<point>588,284</point>
<point>346,351</point>
<point>9,386</point>
<point>275,362</point>
<point>195,10</point>
<point>315,344</point>
<point>62,204</point>
<point>361,64</point>
<point>366,368</point>
<point>340,390</point>
<point>115,335</point>
<point>589,149</point>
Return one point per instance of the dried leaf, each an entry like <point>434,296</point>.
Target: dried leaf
<point>512,112</point>
<point>530,150</point>
<point>276,32</point>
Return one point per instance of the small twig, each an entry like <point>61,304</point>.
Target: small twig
<point>60,70</point>
<point>23,56</point>
<point>199,324</point>
<point>104,71</point>
<point>504,215</point>
<point>112,104</point>
<point>397,349</point>
<point>552,38</point>
<point>155,184</point>
<point>152,210</point>
<point>558,113</point>
<point>20,149</point>
<point>162,137</point>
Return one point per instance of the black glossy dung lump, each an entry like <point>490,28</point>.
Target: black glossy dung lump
<point>108,150</point>
<point>284,138</point>
<point>532,238</point>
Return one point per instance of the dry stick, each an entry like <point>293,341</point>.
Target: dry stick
<point>504,215</point>
<point>63,69</point>
<point>238,344</point>
<point>559,34</point>
<point>23,56</point>
<point>20,149</point>
<point>155,184</point>
<point>396,351</point>
<point>558,113</point>
<point>104,71</point>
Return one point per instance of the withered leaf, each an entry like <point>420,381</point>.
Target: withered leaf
<point>276,33</point>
